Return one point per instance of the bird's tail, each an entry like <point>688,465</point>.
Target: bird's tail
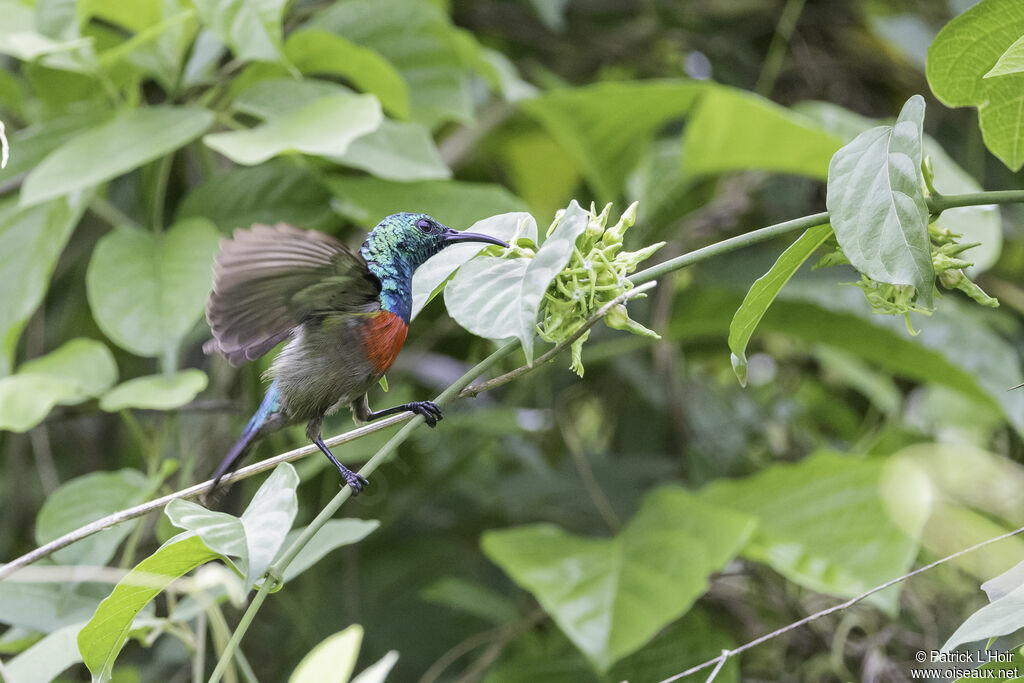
<point>268,408</point>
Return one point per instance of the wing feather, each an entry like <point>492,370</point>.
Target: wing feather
<point>268,279</point>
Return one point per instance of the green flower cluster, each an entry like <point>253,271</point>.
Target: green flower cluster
<point>596,273</point>
<point>890,299</point>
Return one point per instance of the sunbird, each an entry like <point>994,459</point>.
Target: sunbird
<point>345,315</point>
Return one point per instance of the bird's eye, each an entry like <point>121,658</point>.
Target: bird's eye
<point>424,225</point>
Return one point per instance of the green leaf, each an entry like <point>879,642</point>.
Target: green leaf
<point>36,141</point>
<point>454,203</point>
<point>981,224</point>
<point>860,547</point>
<point>552,256</point>
<point>876,203</point>
<point>610,596</point>
<point>315,52</point>
<point>968,49</point>
<point>274,192</point>
<point>83,500</point>
<point>471,598</point>
<point>155,392</point>
<point>429,279</point>
<point>112,149</point>
<point>733,130</point>
<point>325,127</point>
<point>146,290</point>
<point>499,299</point>
<point>396,151</point>
<point>221,532</point>
<point>101,640</point>
<point>43,607</point>
<point>37,234</point>
<point>332,660</point>
<point>418,39</point>
<point>251,28</point>
<point>763,292</point>
<point>333,534</point>
<point>1010,62</point>
<point>48,658</point>
<point>607,127</point>
<point>78,370</point>
<point>268,518</point>
<point>998,618</point>
<point>483,297</point>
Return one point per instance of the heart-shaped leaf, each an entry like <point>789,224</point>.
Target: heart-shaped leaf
<point>155,392</point>
<point>146,290</point>
<point>610,596</point>
<point>78,370</point>
<point>876,203</point>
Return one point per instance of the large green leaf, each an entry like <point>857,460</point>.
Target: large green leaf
<point>607,127</point>
<point>763,292</point>
<point>99,154</point>
<point>393,150</point>
<point>324,127</point>
<point>417,37</point>
<point>78,370</point>
<point>429,278</point>
<point>37,234</point>
<point>998,618</point>
<point>100,641</point>
<point>269,193</point>
<point>610,596</point>
<point>1010,62</point>
<point>860,546</point>
<point>334,534</point>
<point>966,50</point>
<point>251,27</point>
<point>733,130</point>
<point>155,392</point>
<point>315,52</point>
<point>146,290</point>
<point>877,207</point>
<point>86,499</point>
<point>499,299</point>
<point>981,224</point>
<point>396,151</point>
<point>454,203</point>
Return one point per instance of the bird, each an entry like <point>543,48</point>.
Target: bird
<point>344,314</point>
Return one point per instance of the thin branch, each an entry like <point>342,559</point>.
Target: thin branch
<point>599,314</point>
<point>726,654</point>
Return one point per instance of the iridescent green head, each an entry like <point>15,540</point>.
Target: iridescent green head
<point>399,245</point>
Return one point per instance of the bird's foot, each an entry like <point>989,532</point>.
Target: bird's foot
<point>354,480</point>
<point>428,409</point>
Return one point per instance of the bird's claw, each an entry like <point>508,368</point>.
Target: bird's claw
<point>429,410</point>
<point>355,481</point>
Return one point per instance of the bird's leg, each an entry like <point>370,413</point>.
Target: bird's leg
<point>428,409</point>
<point>355,481</point>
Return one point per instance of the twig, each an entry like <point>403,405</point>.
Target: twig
<point>5,148</point>
<point>726,654</point>
<point>472,391</point>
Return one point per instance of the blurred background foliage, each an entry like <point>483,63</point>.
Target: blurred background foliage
<point>141,132</point>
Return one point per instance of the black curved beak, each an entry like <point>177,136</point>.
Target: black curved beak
<point>455,237</point>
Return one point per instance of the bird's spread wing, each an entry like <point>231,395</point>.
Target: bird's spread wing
<point>268,279</point>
